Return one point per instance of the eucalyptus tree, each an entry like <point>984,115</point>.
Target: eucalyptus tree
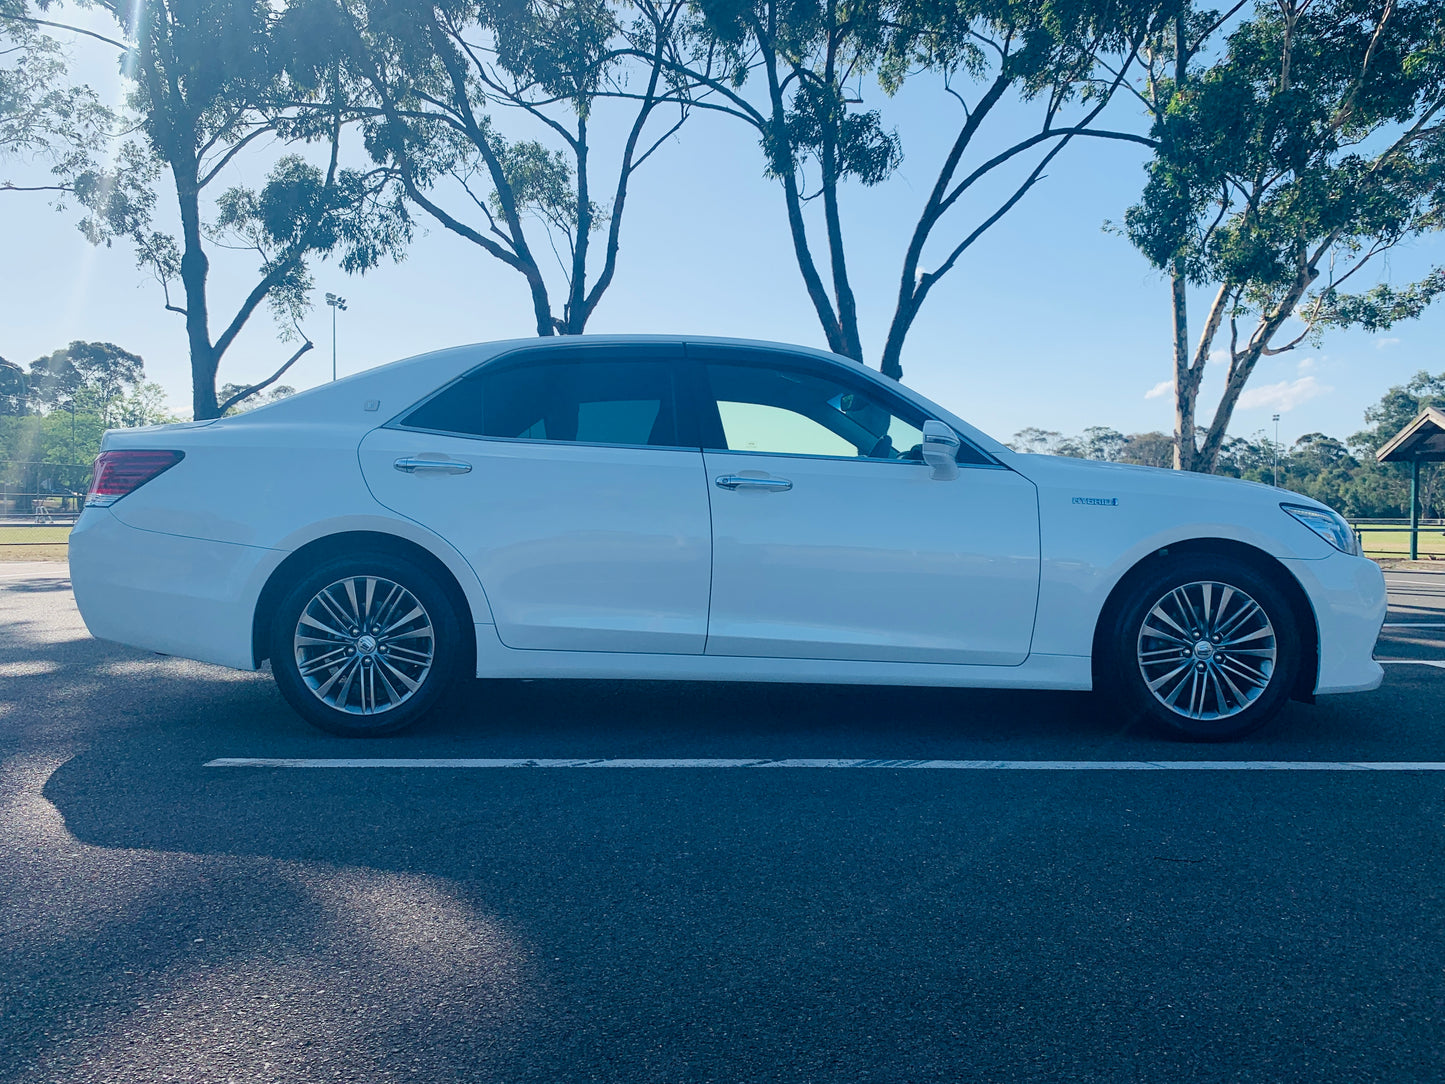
<point>483,111</point>
<point>1296,158</point>
<point>207,81</point>
<point>93,374</point>
<point>797,70</point>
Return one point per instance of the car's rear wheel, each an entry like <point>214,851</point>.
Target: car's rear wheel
<point>1205,648</point>
<point>364,645</point>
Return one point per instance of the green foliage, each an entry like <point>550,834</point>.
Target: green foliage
<point>206,79</point>
<point>144,405</point>
<point>797,72</point>
<point>42,116</point>
<point>300,214</point>
<point>1098,442</point>
<point>14,389</point>
<point>1302,152</point>
<point>58,412</point>
<point>1397,408</point>
<point>93,374</point>
<point>428,75</point>
<point>303,213</point>
<point>542,183</point>
<point>58,437</point>
<point>52,438</point>
<point>1381,307</point>
<point>1152,449</point>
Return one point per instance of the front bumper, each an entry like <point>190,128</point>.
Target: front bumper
<point>180,596</point>
<point>1349,600</point>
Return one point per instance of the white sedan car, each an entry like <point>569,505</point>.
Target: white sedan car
<point>664,507</point>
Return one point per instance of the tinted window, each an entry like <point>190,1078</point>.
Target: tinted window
<point>598,402</point>
<point>800,412</point>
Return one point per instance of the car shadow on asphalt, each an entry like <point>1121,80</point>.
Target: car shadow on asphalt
<point>601,896</point>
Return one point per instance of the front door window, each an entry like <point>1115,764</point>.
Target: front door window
<point>799,412</point>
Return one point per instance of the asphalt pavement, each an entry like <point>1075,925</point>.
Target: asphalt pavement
<point>161,920</point>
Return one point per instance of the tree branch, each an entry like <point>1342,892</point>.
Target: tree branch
<point>65,26</point>
<point>245,393</point>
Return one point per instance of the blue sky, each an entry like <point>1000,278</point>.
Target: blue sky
<point>1049,321</point>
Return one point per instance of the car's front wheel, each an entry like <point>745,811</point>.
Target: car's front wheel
<point>364,645</point>
<point>1205,648</point>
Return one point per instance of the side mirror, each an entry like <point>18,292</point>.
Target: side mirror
<point>940,450</point>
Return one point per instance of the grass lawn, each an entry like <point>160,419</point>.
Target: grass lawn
<point>1396,542</point>
<point>55,548</point>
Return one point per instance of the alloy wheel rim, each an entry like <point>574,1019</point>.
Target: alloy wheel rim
<point>1207,650</point>
<point>364,645</point>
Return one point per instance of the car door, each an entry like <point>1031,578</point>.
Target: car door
<point>572,481</point>
<point>831,538</point>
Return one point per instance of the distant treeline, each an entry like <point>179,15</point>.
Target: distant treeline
<point>1342,473</point>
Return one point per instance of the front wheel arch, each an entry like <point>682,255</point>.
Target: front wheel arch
<point>340,545</point>
<point>1264,563</point>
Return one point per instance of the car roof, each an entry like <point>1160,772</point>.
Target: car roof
<point>375,394</point>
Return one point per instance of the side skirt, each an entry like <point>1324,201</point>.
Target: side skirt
<point>495,660</point>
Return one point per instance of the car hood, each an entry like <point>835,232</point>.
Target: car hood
<point>1117,479</point>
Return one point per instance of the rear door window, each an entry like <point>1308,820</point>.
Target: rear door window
<point>585,401</point>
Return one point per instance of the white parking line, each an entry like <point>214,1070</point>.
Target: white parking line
<point>1414,625</point>
<point>1439,663</point>
<point>951,765</point>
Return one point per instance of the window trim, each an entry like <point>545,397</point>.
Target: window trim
<point>685,404</point>
<point>710,426</point>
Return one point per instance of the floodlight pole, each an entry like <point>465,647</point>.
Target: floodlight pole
<point>335,303</point>
<point>1274,451</point>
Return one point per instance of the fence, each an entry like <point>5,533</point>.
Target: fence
<point>1396,538</point>
<point>42,492</point>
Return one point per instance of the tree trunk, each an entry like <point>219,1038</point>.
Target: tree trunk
<point>575,316</point>
<point>1186,382</point>
<point>782,164</point>
<point>194,269</point>
<point>845,304</point>
<point>1242,363</point>
<point>913,284</point>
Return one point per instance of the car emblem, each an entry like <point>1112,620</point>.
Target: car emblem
<point>1107,501</point>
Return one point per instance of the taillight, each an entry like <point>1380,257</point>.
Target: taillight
<point>119,473</point>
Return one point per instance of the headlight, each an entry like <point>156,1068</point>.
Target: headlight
<point>1330,526</point>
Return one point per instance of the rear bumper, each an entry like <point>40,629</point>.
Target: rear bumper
<point>1349,600</point>
<point>168,593</point>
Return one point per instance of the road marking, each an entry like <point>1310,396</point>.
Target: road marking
<point>1414,625</point>
<point>1412,662</point>
<point>951,765</point>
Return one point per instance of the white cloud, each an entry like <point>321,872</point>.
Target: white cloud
<point>1384,343</point>
<point>1286,395</point>
<point>1306,365</point>
<point>1164,387</point>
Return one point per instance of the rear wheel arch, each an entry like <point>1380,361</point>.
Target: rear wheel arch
<point>1251,556</point>
<point>349,543</point>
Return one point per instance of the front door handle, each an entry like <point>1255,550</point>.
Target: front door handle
<point>742,481</point>
<point>431,466</point>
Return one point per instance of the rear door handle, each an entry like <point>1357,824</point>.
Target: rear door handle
<point>742,481</point>
<point>431,466</point>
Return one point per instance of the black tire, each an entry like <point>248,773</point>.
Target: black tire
<point>388,665</point>
<point>1233,685</point>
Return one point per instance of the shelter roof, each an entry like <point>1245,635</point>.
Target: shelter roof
<point>1422,439</point>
